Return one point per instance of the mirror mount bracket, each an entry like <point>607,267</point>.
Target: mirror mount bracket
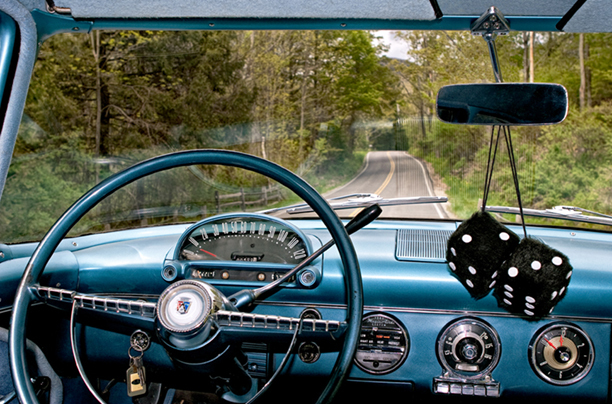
<point>489,25</point>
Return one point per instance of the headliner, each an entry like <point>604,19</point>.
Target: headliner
<point>586,15</point>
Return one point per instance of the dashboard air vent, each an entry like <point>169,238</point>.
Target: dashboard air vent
<point>421,245</point>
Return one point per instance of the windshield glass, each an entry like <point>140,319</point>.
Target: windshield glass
<point>350,111</point>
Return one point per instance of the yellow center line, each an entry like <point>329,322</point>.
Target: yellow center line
<point>383,186</point>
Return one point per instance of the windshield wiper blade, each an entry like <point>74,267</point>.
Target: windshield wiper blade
<point>363,200</point>
<point>558,212</point>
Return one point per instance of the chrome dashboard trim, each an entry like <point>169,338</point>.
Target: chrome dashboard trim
<point>434,311</point>
<point>98,303</point>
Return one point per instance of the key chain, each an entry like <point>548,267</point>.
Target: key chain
<point>135,375</point>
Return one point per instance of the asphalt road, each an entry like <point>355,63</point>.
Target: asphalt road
<point>393,174</point>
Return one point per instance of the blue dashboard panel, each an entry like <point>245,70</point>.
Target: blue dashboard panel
<point>62,272</point>
<point>115,260</point>
<point>513,372</point>
<point>422,295</point>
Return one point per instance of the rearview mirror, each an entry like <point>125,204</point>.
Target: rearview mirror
<point>502,104</point>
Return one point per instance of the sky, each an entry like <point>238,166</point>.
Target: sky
<point>398,49</point>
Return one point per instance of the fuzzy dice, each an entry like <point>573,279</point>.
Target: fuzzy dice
<point>534,280</point>
<point>477,250</point>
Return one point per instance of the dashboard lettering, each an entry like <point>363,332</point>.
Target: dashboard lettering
<point>272,231</point>
<point>215,230</point>
<point>262,229</point>
<point>203,233</point>
<point>282,235</point>
<point>194,242</point>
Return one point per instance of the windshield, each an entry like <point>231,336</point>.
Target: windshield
<point>350,111</point>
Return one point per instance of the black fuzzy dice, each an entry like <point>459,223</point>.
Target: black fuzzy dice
<point>477,250</point>
<point>534,280</point>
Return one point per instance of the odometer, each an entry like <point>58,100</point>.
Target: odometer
<point>243,237</point>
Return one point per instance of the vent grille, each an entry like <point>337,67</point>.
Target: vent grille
<point>422,245</point>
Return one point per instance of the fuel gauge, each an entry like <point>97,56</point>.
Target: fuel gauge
<point>561,354</point>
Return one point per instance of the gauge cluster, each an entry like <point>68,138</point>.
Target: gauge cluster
<point>241,247</point>
<point>243,238</point>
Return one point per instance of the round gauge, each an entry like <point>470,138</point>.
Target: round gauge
<point>561,354</point>
<point>469,348</point>
<point>243,237</point>
<point>383,344</point>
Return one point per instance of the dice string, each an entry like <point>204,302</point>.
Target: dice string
<point>490,164</point>
<point>508,138</point>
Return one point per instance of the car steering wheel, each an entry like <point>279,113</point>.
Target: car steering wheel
<point>29,290</point>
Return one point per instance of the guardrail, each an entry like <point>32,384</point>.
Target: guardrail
<point>244,199</point>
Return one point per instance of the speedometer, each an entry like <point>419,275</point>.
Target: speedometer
<point>243,237</point>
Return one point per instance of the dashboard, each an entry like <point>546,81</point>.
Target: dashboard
<point>422,334</point>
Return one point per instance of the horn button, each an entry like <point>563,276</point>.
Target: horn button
<point>184,310</point>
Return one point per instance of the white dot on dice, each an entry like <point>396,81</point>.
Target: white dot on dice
<point>466,238</point>
<point>512,272</point>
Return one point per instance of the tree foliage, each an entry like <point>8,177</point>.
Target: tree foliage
<point>102,101</point>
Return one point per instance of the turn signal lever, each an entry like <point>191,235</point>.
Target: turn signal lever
<point>247,296</point>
